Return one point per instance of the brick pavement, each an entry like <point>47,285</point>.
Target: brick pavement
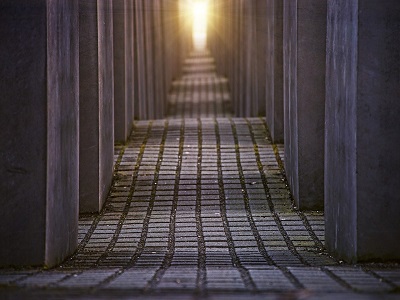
<point>200,208</point>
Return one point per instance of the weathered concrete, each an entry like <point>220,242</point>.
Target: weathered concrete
<point>236,19</point>
<point>96,103</point>
<point>121,70</point>
<point>39,131</point>
<point>362,130</point>
<point>247,66</point>
<point>304,38</point>
<point>170,25</point>
<point>254,63</point>
<point>124,85</point>
<point>130,61</point>
<point>273,35</point>
<point>140,104</point>
<point>238,46</point>
<point>149,50</point>
<point>243,39</point>
<point>135,71</point>
<point>158,60</point>
<point>260,54</point>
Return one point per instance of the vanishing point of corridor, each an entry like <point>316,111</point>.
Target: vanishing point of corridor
<point>199,207</point>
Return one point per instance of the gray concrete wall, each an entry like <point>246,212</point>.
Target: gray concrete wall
<point>96,103</point>
<point>130,63</point>
<point>39,136</point>
<point>237,42</point>
<point>260,62</point>
<point>157,51</point>
<point>362,132</point>
<point>140,104</point>
<point>274,68</point>
<point>121,81</point>
<point>124,81</point>
<point>149,54</point>
<point>160,94</point>
<point>235,90</point>
<point>240,110</point>
<point>135,73</point>
<point>304,38</point>
<point>170,26</point>
<point>253,62</point>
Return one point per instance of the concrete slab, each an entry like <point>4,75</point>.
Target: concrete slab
<point>260,54</point>
<point>304,37</point>
<point>273,35</point>
<point>149,54</point>
<point>120,80</point>
<point>39,136</point>
<point>159,67</point>
<point>96,103</point>
<point>140,104</point>
<point>123,68</point>
<point>362,132</point>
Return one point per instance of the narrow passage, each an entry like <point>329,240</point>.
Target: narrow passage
<point>199,205</point>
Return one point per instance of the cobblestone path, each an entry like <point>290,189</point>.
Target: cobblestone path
<point>199,208</point>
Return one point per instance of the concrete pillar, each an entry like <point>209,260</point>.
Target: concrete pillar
<point>135,83</point>
<point>255,65</point>
<point>96,103</point>
<point>260,54</point>
<point>123,68</point>
<point>241,57</point>
<point>248,80</point>
<point>235,57</point>
<point>130,62</point>
<point>39,136</point>
<point>158,61</point>
<point>227,17</point>
<point>141,103</point>
<point>304,39</point>
<point>362,130</point>
<point>273,36</point>
<point>170,25</point>
<point>148,32</point>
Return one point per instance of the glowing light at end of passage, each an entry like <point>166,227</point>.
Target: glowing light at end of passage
<point>199,25</point>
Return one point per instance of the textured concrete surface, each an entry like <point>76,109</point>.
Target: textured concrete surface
<point>200,209</point>
<point>170,25</point>
<point>96,106</point>
<point>150,75</point>
<point>159,66</point>
<point>39,136</point>
<point>362,177</point>
<point>140,110</point>
<point>304,38</point>
<point>123,68</point>
<point>260,8</point>
<point>273,15</point>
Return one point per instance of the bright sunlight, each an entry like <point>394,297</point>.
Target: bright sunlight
<point>199,25</point>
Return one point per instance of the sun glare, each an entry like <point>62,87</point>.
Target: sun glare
<point>199,25</point>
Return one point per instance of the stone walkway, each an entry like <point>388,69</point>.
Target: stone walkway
<point>199,208</point>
